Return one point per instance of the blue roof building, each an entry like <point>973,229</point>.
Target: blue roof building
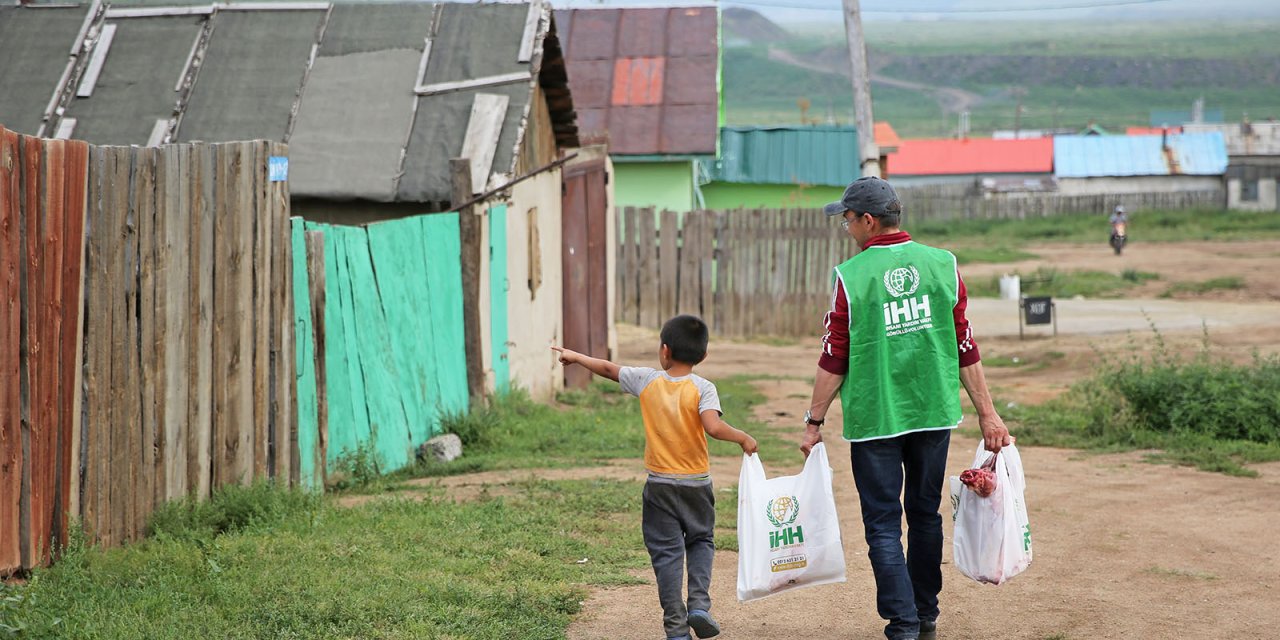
<point>1142,164</point>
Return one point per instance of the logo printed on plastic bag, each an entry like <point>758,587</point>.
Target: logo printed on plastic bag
<point>778,508</point>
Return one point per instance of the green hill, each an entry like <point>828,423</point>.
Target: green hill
<point>1066,74</point>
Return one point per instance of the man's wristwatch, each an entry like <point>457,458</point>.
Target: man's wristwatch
<point>808,419</point>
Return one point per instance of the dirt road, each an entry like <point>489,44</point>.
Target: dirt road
<point>1123,548</point>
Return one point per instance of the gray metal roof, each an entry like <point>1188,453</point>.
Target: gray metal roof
<point>137,87</point>
<point>345,85</point>
<point>35,44</point>
<point>252,71</point>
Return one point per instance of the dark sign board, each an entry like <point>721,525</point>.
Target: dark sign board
<point>1038,310</point>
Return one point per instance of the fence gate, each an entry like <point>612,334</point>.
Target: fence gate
<point>586,286</point>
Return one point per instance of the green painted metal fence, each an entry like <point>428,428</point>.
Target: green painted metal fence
<point>498,287</point>
<point>393,338</point>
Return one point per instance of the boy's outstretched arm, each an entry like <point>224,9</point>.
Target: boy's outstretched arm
<point>597,366</point>
<point>717,428</point>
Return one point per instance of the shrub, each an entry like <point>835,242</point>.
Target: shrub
<point>1202,411</point>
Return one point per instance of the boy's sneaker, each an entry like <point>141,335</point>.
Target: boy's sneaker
<point>928,630</point>
<point>703,624</point>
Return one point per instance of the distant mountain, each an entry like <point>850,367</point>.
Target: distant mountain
<point>825,11</point>
<point>746,26</point>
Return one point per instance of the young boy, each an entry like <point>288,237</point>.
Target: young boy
<point>679,515</point>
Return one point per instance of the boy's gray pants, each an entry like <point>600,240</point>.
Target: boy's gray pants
<point>679,524</point>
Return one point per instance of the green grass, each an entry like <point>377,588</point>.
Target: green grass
<point>1025,364</point>
<point>592,427</point>
<point>1047,281</point>
<point>262,562</point>
<point>1200,411</point>
<point>1225,283</point>
<point>1091,228</point>
<point>390,569</point>
<point>996,254</point>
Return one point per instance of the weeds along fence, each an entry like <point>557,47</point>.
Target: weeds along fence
<point>145,334</point>
<point>767,272</point>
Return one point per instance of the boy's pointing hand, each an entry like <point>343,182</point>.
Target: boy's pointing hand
<point>567,356</point>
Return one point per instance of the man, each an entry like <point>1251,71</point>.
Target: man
<point>897,347</point>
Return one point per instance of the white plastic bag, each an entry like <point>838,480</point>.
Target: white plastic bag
<point>788,531</point>
<point>992,538</point>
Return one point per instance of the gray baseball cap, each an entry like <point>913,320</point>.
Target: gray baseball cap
<point>867,194</point>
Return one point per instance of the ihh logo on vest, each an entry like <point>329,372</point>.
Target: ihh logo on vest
<point>911,314</point>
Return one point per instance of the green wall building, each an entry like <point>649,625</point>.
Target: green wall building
<point>782,167</point>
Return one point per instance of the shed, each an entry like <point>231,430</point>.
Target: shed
<point>1099,165</point>
<point>1253,163</point>
<point>647,81</point>
<point>970,160</point>
<point>373,99</point>
<point>782,167</point>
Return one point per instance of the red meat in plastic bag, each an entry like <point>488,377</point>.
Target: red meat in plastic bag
<point>981,480</point>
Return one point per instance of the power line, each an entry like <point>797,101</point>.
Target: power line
<point>1057,7</point>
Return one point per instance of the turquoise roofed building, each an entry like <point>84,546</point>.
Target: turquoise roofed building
<point>783,167</point>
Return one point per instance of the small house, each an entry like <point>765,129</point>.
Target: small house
<point>1102,165</point>
<point>647,82</point>
<point>1253,163</point>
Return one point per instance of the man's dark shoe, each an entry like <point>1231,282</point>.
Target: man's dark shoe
<point>703,624</point>
<point>928,630</point>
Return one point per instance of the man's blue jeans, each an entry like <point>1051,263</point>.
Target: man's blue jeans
<point>906,588</point>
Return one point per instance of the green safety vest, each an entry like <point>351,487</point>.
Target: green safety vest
<point>904,365</point>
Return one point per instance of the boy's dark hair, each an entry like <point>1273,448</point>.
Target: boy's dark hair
<point>687,337</point>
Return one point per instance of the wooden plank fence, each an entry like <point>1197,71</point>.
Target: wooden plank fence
<point>961,202</point>
<point>42,201</point>
<point>768,271</point>
<point>132,371</point>
<point>188,365</point>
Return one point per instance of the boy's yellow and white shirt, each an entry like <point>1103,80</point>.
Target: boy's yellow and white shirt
<point>675,445</point>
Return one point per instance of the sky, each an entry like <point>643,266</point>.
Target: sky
<point>1029,10</point>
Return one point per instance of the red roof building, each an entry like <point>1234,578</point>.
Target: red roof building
<point>646,79</point>
<point>971,157</point>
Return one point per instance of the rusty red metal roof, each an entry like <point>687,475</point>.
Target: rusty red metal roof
<point>886,138</point>
<point>644,79</point>
<point>971,156</point>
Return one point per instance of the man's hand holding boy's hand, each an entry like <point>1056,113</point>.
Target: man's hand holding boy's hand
<point>749,446</point>
<point>567,356</point>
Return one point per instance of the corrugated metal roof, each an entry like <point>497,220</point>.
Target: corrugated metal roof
<point>818,155</point>
<point>1114,156</point>
<point>971,156</point>
<point>357,132</point>
<point>645,79</point>
<point>886,138</point>
<point>35,43</point>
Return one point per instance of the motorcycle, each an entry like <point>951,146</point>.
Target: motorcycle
<point>1118,237</point>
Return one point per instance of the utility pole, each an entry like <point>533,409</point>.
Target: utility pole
<point>868,153</point>
<point>469,237</point>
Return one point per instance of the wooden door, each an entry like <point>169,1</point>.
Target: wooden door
<point>584,247</point>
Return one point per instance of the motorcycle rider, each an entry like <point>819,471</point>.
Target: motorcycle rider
<point>1119,223</point>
